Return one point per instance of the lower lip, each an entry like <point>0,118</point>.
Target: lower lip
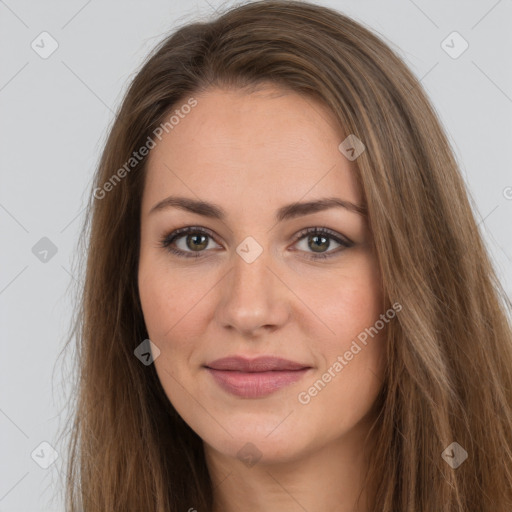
<point>255,384</point>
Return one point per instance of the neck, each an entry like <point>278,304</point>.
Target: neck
<point>328,479</point>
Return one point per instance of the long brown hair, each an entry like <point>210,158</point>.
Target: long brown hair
<point>449,377</point>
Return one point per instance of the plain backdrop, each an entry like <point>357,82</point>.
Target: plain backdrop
<point>55,113</point>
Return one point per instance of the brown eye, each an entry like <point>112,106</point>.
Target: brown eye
<point>192,242</point>
<point>196,241</point>
<point>319,240</point>
<point>318,243</point>
<point>189,242</point>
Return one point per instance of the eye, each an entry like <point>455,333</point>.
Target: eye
<point>319,238</point>
<point>194,240</point>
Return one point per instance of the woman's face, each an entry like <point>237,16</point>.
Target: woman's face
<point>253,282</point>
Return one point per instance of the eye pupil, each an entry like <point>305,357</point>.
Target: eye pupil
<point>197,245</point>
<point>316,245</point>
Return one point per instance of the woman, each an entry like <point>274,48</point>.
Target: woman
<point>287,302</point>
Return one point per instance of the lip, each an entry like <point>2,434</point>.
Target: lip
<point>255,378</point>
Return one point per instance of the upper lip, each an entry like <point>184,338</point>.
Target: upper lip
<point>258,364</point>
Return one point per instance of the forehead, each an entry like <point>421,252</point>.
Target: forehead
<point>265,144</point>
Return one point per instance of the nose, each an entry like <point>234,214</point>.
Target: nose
<point>253,299</point>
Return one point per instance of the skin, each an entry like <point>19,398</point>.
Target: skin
<point>251,154</point>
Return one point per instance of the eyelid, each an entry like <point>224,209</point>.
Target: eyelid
<point>325,231</point>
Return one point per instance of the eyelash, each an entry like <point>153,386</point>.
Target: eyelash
<point>167,240</point>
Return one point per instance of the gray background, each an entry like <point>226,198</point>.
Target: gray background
<point>55,113</point>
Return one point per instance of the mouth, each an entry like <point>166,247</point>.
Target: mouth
<point>255,378</point>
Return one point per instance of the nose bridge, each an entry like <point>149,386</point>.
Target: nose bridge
<point>252,297</point>
<point>251,275</point>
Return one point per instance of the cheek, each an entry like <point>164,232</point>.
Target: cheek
<point>353,356</point>
<point>349,301</point>
<point>169,300</point>
<point>175,310</point>
<point>158,304</point>
<point>168,305</point>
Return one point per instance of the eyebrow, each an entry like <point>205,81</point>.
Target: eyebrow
<point>289,211</point>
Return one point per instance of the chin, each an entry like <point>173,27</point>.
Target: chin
<point>253,444</point>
